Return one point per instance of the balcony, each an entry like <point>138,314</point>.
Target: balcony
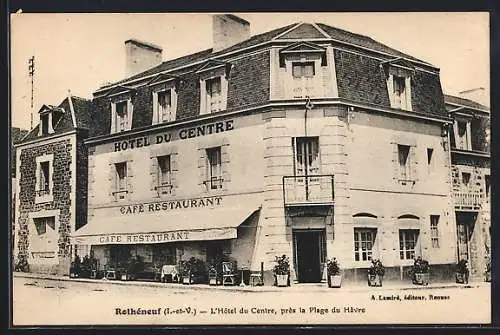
<point>308,190</point>
<point>468,200</point>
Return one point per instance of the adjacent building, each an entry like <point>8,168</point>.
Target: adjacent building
<point>51,171</point>
<point>470,157</point>
<point>308,141</point>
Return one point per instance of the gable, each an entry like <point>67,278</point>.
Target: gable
<point>304,30</point>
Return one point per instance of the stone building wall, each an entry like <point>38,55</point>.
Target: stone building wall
<point>62,178</point>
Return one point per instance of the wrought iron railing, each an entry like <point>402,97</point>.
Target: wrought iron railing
<point>214,183</point>
<point>312,189</point>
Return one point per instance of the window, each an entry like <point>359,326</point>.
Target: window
<point>364,240</point>
<point>214,168</point>
<point>303,84</point>
<point>466,178</point>
<point>430,151</point>
<point>43,186</point>
<point>399,92</point>
<point>487,185</point>
<point>214,94</point>
<point>164,106</point>
<point>306,155</point>
<point>434,231</point>
<point>42,223</point>
<point>300,70</point>
<point>44,120</point>
<point>407,243</point>
<point>404,162</point>
<point>164,175</point>
<point>164,255</point>
<point>121,116</point>
<point>462,138</point>
<point>121,180</point>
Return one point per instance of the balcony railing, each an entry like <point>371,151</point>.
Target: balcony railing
<point>468,200</point>
<point>164,189</point>
<point>214,183</point>
<point>313,189</point>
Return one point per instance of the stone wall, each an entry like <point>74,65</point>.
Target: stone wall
<point>62,179</point>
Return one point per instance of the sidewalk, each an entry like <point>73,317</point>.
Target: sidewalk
<point>320,287</point>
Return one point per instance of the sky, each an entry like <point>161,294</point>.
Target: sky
<point>80,52</point>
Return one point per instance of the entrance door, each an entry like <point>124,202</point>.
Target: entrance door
<point>465,228</point>
<point>309,255</point>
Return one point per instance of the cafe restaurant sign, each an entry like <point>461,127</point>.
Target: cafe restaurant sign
<point>159,237</point>
<point>171,205</point>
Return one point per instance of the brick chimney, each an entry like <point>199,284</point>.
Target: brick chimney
<point>140,56</point>
<point>228,30</point>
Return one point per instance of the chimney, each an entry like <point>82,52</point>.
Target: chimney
<point>228,30</point>
<point>140,56</point>
<point>476,94</point>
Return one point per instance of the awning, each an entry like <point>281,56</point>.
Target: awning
<point>195,225</point>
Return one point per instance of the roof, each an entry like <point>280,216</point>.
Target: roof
<point>464,102</point>
<point>65,123</point>
<point>17,134</point>
<point>293,31</point>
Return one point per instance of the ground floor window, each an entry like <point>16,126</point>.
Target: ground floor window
<point>364,241</point>
<point>164,255</point>
<point>408,239</point>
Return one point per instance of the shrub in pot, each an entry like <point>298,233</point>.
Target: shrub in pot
<point>420,271</point>
<point>334,274</point>
<point>462,272</point>
<point>281,271</point>
<point>193,271</point>
<point>75,267</point>
<point>376,273</point>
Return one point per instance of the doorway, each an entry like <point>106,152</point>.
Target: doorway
<point>465,229</point>
<point>309,254</point>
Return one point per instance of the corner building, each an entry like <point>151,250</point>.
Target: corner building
<point>307,140</point>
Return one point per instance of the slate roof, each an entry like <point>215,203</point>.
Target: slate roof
<point>464,102</point>
<point>17,134</point>
<point>295,30</point>
<point>81,107</point>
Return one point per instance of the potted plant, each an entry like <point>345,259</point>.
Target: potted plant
<point>462,272</point>
<point>75,267</point>
<point>376,273</point>
<point>420,271</point>
<point>193,271</point>
<point>281,271</point>
<point>334,274</point>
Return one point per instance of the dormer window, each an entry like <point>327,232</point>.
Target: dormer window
<point>164,103</point>
<point>462,131</point>
<point>398,75</point>
<point>49,115</point>
<point>302,67</point>
<point>121,116</point>
<point>213,86</point>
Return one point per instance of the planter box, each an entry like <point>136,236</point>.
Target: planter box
<point>421,279</point>
<point>462,278</point>
<point>375,280</point>
<point>281,280</point>
<point>335,281</point>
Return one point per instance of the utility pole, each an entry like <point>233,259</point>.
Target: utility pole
<point>31,72</point>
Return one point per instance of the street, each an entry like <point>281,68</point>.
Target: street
<point>63,302</point>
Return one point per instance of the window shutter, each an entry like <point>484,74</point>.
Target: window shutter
<point>155,108</point>
<point>130,113</point>
<point>226,177</point>
<point>414,163</point>
<point>201,166</point>
<point>395,161</point>
<point>153,170</point>
<point>390,88</point>
<point>203,96</point>
<point>173,103</point>
<point>130,176</point>
<point>408,93</point>
<point>113,118</point>
<point>112,180</point>
<point>173,171</point>
<point>224,88</point>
